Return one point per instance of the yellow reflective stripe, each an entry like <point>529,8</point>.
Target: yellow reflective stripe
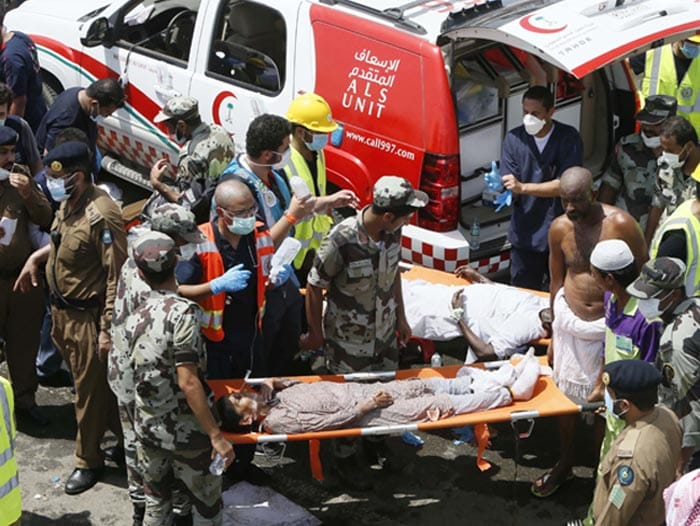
<point>206,246</point>
<point>654,71</point>
<point>5,405</point>
<point>210,318</point>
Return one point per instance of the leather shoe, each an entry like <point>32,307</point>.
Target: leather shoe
<point>115,454</point>
<point>82,479</point>
<point>60,378</point>
<point>33,415</point>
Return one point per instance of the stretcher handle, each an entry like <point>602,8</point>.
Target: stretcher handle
<point>590,406</point>
<point>380,375</point>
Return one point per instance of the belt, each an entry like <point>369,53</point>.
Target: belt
<point>65,303</point>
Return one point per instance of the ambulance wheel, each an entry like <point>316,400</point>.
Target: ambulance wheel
<point>49,90</point>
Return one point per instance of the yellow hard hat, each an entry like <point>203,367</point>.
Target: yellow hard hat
<point>695,39</point>
<point>696,173</point>
<point>313,112</point>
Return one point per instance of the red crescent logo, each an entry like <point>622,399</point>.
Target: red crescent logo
<point>215,106</point>
<point>544,26</point>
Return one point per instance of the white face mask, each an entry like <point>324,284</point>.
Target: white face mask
<point>284,161</point>
<point>650,308</point>
<point>672,160</point>
<point>651,142</point>
<point>188,251</point>
<point>532,124</point>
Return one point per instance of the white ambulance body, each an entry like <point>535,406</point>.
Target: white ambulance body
<point>426,90</point>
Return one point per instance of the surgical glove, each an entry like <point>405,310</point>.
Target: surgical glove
<point>280,275</point>
<point>504,199</point>
<point>493,178</point>
<point>234,279</point>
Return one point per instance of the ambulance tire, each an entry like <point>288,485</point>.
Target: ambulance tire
<point>49,90</point>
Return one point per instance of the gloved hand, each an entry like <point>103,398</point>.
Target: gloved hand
<point>504,199</point>
<point>493,178</point>
<point>280,275</point>
<point>234,279</point>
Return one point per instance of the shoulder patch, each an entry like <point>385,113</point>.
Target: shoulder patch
<point>107,237</point>
<point>628,443</point>
<point>625,475</point>
<point>93,213</point>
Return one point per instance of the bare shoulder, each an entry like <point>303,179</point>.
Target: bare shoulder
<point>618,218</point>
<point>560,226</point>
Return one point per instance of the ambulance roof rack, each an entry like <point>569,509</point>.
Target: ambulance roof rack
<point>394,14</point>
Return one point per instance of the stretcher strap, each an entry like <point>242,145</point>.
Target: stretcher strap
<point>315,459</point>
<point>481,432</point>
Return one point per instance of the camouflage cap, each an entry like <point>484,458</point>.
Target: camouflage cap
<point>657,108</point>
<point>392,191</point>
<point>656,276</point>
<point>178,108</point>
<point>175,220</point>
<point>154,252</point>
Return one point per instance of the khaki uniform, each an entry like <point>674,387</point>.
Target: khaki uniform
<point>641,463</point>
<point>632,173</point>
<point>83,268</point>
<point>21,314</point>
<point>360,276</point>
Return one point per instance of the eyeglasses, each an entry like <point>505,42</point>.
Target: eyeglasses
<point>240,213</point>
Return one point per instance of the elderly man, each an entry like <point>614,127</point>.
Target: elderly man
<point>578,329</point>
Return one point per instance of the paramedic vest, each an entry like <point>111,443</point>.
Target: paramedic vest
<point>312,229</point>
<point>683,219</point>
<point>212,307</point>
<point>10,498</point>
<point>660,79</point>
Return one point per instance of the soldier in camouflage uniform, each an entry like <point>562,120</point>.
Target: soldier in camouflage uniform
<point>174,424</point>
<point>206,151</point>
<point>678,358</point>
<point>358,265</point>
<point>678,159</point>
<point>178,223</point>
<point>629,180</point>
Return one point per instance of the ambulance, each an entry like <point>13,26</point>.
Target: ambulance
<point>425,89</point>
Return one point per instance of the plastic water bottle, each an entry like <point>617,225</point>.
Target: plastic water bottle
<point>299,187</point>
<point>475,232</point>
<point>286,252</point>
<point>436,360</point>
<point>217,465</point>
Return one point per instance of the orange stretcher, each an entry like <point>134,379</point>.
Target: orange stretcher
<point>547,400</point>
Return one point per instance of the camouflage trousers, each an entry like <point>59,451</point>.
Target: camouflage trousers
<point>163,470</point>
<point>181,503</point>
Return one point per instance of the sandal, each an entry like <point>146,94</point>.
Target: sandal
<point>536,487</point>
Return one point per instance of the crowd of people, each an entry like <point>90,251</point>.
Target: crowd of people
<point>143,318</point>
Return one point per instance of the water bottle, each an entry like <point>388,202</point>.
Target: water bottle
<point>217,465</point>
<point>436,360</point>
<point>299,187</point>
<point>286,252</point>
<point>475,232</point>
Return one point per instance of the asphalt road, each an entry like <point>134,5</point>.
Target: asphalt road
<point>438,483</point>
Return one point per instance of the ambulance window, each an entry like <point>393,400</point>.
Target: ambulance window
<point>250,46</point>
<point>160,29</point>
<point>568,88</point>
<point>506,64</point>
<point>476,94</point>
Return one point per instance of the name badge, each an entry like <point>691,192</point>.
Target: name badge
<point>624,344</point>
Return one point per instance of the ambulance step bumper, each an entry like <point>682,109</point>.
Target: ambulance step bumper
<point>118,169</point>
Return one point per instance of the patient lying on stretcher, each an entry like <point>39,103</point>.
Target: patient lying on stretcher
<point>496,320</point>
<point>289,406</point>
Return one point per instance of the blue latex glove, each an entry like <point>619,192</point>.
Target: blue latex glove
<point>281,276</point>
<point>234,279</point>
<point>493,178</point>
<point>504,199</point>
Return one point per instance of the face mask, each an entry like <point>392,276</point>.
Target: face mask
<point>57,188</point>
<point>690,51</point>
<point>672,160</point>
<point>95,113</point>
<point>2,122</point>
<point>610,406</point>
<point>4,174</point>
<point>242,226</point>
<point>651,142</point>
<point>284,160</point>
<point>650,308</point>
<point>188,251</point>
<point>318,142</point>
<point>532,124</point>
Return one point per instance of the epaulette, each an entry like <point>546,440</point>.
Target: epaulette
<point>92,212</point>
<point>626,447</point>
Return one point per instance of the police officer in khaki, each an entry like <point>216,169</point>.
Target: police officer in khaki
<point>21,203</point>
<point>642,460</point>
<point>83,260</point>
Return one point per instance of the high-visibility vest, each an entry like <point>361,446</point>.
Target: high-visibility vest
<point>660,79</point>
<point>212,307</point>
<point>10,498</point>
<point>684,219</point>
<point>312,229</point>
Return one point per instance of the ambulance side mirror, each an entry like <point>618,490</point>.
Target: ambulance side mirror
<point>97,34</point>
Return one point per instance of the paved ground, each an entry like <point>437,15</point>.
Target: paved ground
<point>436,484</point>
